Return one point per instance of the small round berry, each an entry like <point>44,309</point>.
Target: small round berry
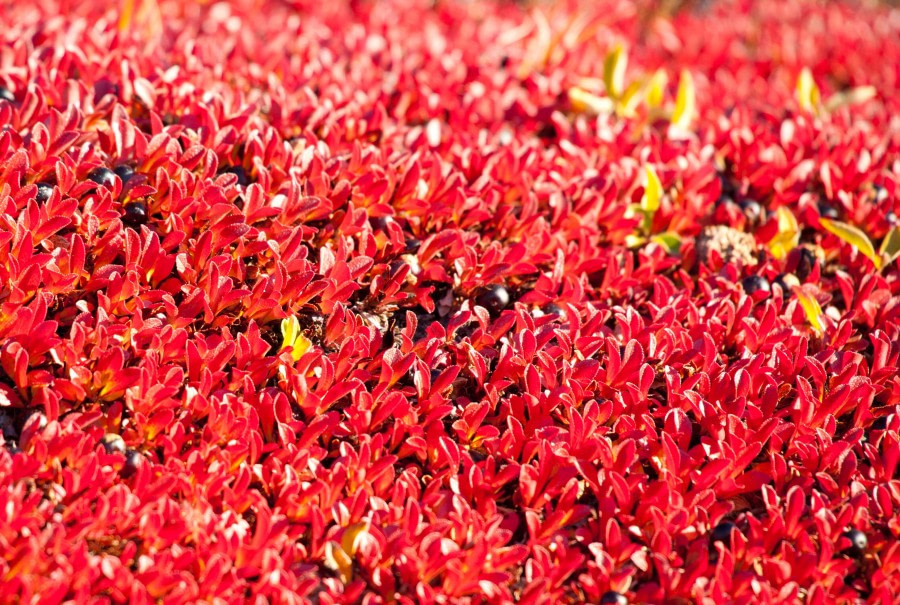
<point>613,598</point>
<point>806,263</point>
<point>891,218</point>
<point>133,461</point>
<point>113,444</point>
<point>380,223</point>
<point>753,210</point>
<point>828,211</point>
<point>124,172</point>
<point>7,95</point>
<point>858,541</point>
<point>103,176</point>
<point>494,299</point>
<point>786,281</point>
<point>722,533</point>
<point>755,283</point>
<point>135,214</point>
<point>44,191</point>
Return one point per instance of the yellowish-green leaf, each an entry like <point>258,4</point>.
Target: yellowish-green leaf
<point>685,102</point>
<point>890,247</point>
<point>808,96</point>
<point>614,71</point>
<point>788,235</point>
<point>630,100</point>
<point>652,191</point>
<point>669,240</point>
<point>854,96</point>
<point>293,337</point>
<point>337,559</point>
<point>633,240</point>
<point>656,88</point>
<point>811,308</point>
<point>855,237</point>
<point>586,102</point>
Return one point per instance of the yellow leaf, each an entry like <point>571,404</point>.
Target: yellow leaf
<point>634,241</point>
<point>145,14</point>
<point>652,192</point>
<point>585,102</point>
<point>890,247</point>
<point>855,237</point>
<point>337,559</point>
<point>614,71</point>
<point>630,99</point>
<point>293,337</point>
<point>352,536</point>
<point>125,14</point>
<point>656,88</point>
<point>811,308</point>
<point>685,102</point>
<point>788,235</point>
<point>854,96</point>
<point>807,92</point>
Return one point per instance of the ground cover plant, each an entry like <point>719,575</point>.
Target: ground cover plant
<point>449,302</point>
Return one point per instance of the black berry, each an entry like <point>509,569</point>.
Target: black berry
<point>828,211</point>
<point>858,541</point>
<point>722,533</point>
<point>44,191</point>
<point>494,299</point>
<point>135,214</point>
<point>755,283</point>
<point>7,95</point>
<point>380,223</point>
<point>613,598</point>
<point>124,172</point>
<point>103,176</point>
<point>786,281</point>
<point>753,210</point>
<point>113,444</point>
<point>133,461</point>
<point>806,262</point>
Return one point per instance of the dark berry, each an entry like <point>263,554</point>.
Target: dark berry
<point>135,214</point>
<point>380,223</point>
<point>613,598</point>
<point>828,211</point>
<point>755,283</point>
<point>504,61</point>
<point>858,541</point>
<point>891,218</point>
<point>242,179</point>
<point>722,533</point>
<point>754,212</point>
<point>113,444</point>
<point>124,172</point>
<point>806,263</point>
<point>786,281</point>
<point>44,191</point>
<point>133,461</point>
<point>103,176</point>
<point>553,309</point>
<point>412,245</point>
<point>494,299</point>
<point>7,95</point>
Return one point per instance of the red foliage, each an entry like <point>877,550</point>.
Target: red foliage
<point>369,312</point>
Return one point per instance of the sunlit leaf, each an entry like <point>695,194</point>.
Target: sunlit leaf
<point>788,235</point>
<point>652,191</point>
<point>630,99</point>
<point>685,102</point>
<point>854,96</point>
<point>656,88</point>
<point>585,102</point>
<point>808,96</point>
<point>668,240</point>
<point>890,247</point>
<point>855,237</point>
<point>293,337</point>
<point>811,308</point>
<point>614,71</point>
<point>337,559</point>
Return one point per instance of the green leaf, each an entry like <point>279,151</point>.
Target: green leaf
<point>669,240</point>
<point>855,237</point>
<point>685,102</point>
<point>854,96</point>
<point>614,71</point>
